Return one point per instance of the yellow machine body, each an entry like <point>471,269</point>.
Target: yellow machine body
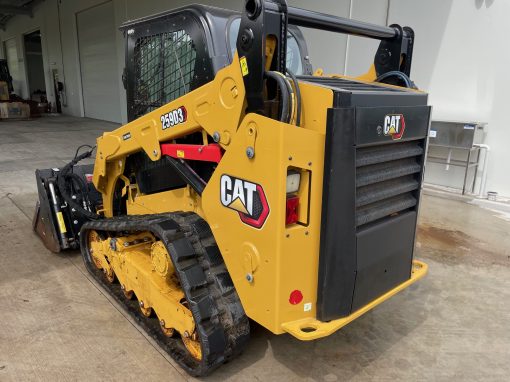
<point>268,263</point>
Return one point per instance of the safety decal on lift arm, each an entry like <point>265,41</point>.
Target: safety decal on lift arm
<point>244,65</point>
<point>174,117</point>
<point>245,197</point>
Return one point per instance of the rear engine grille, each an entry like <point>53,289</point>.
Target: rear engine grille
<point>380,154</point>
<point>384,190</point>
<point>387,179</point>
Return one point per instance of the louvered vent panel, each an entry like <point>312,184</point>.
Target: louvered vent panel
<point>387,178</point>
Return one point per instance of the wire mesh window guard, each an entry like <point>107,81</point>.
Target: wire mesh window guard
<point>165,65</point>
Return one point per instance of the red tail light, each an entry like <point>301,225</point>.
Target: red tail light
<point>291,215</point>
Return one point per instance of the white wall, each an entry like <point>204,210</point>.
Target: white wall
<point>361,51</point>
<point>460,55</point>
<point>332,58</point>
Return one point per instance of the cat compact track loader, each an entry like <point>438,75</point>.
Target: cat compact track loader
<point>245,187</point>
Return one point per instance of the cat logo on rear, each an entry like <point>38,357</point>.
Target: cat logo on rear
<point>245,197</point>
<point>394,126</point>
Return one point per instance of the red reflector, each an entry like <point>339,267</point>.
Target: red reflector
<point>291,215</point>
<point>295,297</point>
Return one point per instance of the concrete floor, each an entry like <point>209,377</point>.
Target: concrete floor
<point>56,324</point>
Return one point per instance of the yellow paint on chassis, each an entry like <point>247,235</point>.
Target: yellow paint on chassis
<point>280,259</point>
<point>181,199</point>
<point>131,262</point>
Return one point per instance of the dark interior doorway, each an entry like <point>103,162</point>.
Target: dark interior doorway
<point>35,68</point>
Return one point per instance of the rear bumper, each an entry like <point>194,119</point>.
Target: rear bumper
<point>311,329</point>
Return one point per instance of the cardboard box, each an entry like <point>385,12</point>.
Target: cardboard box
<point>4,91</point>
<point>14,110</point>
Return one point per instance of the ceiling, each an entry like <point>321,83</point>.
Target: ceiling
<point>14,8</point>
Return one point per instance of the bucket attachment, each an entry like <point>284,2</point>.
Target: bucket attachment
<point>55,221</point>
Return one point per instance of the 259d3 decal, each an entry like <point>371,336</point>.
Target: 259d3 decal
<point>174,117</point>
<point>245,197</point>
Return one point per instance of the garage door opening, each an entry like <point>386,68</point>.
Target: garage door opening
<point>34,65</point>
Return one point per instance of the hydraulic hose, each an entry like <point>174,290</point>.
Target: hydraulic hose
<point>81,187</point>
<point>65,173</point>
<point>290,91</point>
<point>395,73</point>
<point>282,84</point>
<point>298,96</point>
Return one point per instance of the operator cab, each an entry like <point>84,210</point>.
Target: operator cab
<point>172,53</point>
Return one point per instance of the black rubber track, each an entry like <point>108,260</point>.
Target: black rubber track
<point>222,325</point>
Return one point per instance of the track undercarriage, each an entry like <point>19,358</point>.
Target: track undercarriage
<point>167,272</point>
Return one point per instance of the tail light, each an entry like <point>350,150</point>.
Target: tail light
<point>293,181</point>
<point>292,216</point>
